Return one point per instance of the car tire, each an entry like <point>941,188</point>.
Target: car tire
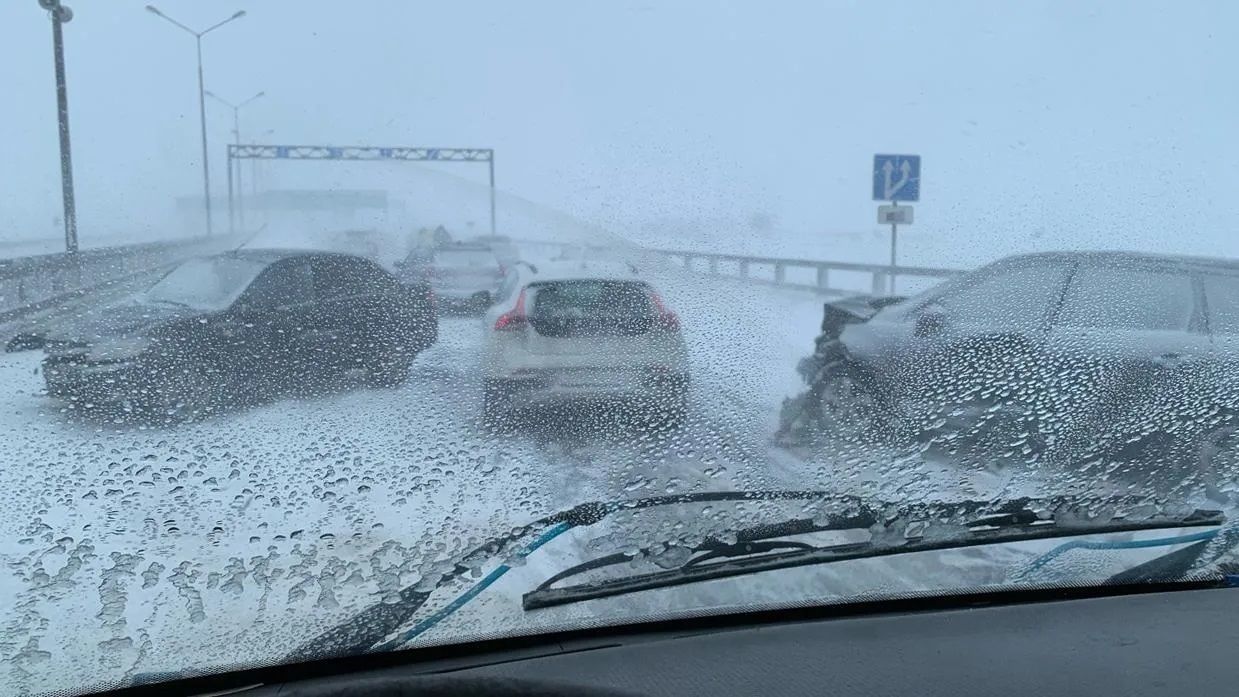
<point>496,406</point>
<point>845,405</point>
<point>183,394</point>
<point>671,411</point>
<point>388,371</point>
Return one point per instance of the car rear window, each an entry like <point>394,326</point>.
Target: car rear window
<point>466,258</point>
<point>1136,299</point>
<point>1222,299</point>
<point>592,308</point>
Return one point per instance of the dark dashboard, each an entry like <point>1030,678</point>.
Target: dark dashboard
<point>1160,643</point>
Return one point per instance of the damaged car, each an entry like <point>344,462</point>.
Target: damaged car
<point>1078,359</point>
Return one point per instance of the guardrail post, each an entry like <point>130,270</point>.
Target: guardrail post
<point>823,277</point>
<point>879,283</point>
<point>744,268</point>
<point>714,266</point>
<point>780,273</point>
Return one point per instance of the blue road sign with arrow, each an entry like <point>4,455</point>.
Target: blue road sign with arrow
<point>896,177</point>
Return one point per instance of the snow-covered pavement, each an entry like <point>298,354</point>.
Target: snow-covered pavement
<point>206,537</point>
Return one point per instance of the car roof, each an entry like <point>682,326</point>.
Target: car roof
<point>1120,259</point>
<point>270,255</point>
<point>579,271</point>
<point>465,247</point>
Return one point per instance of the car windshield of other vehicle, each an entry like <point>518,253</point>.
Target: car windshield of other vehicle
<point>465,258</point>
<point>204,284</point>
<point>338,328</point>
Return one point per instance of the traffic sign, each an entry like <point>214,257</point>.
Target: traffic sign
<point>895,215</point>
<point>896,177</point>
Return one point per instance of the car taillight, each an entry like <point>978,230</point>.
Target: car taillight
<point>514,319</point>
<point>666,318</point>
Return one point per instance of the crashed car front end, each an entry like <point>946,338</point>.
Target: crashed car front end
<point>105,372</point>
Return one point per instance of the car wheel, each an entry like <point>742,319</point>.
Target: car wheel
<point>847,410</point>
<point>388,370</point>
<point>496,406</point>
<point>184,393</point>
<point>670,411</point>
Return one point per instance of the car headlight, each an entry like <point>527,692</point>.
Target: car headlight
<point>117,349</point>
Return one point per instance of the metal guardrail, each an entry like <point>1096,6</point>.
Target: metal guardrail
<point>774,270</point>
<point>28,284</point>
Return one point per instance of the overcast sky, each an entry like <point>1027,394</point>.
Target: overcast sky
<point>1061,124</point>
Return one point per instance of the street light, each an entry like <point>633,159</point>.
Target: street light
<point>206,172</point>
<point>61,14</point>
<point>236,135</point>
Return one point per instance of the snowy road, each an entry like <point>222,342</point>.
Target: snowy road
<point>106,526</point>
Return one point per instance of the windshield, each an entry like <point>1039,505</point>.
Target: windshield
<point>739,305</point>
<point>205,284</point>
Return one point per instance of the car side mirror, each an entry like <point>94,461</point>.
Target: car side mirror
<point>929,321</point>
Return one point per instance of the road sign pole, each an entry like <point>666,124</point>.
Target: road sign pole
<point>894,239</point>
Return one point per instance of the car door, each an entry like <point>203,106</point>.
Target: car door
<point>346,309</point>
<point>1127,333</point>
<point>270,324</point>
<point>977,344</point>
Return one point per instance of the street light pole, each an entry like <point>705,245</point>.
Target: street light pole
<point>236,135</point>
<point>206,169</point>
<point>206,161</point>
<point>61,14</point>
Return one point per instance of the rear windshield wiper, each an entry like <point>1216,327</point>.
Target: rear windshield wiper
<point>754,551</point>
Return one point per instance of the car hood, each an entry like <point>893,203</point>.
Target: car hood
<point>132,319</point>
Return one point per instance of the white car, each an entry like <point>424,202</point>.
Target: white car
<point>583,332</point>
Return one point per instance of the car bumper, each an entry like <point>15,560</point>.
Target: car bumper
<point>455,303</point>
<point>96,382</point>
<point>543,387</point>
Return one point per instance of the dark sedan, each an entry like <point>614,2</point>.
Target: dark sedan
<point>239,327</point>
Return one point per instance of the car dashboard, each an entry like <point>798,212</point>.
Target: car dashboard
<point>1148,643</point>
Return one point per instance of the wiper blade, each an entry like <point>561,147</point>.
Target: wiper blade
<point>165,301</point>
<point>363,632</point>
<point>747,556</point>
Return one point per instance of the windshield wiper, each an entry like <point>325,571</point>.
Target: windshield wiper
<point>365,631</point>
<point>165,301</point>
<point>749,554</point>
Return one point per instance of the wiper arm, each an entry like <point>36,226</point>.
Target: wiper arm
<point>364,631</point>
<point>748,557</point>
<point>165,301</point>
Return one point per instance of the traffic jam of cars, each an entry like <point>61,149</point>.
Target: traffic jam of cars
<point>1075,359</point>
<point>256,325</point>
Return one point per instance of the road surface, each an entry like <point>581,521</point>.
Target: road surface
<point>103,526</point>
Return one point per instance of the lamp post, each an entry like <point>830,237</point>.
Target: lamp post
<point>61,14</point>
<point>206,171</point>
<point>236,138</point>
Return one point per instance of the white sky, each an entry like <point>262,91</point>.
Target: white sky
<point>1041,124</point>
